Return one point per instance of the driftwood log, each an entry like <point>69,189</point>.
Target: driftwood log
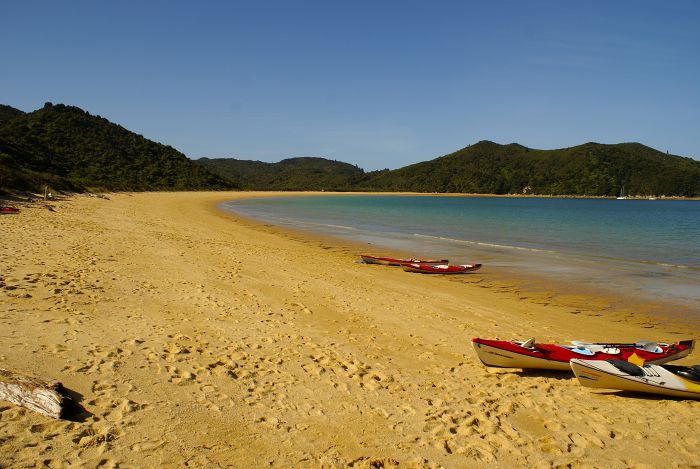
<point>43,396</point>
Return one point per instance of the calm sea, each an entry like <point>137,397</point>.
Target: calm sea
<point>648,248</point>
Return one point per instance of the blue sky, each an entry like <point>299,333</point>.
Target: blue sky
<point>380,84</point>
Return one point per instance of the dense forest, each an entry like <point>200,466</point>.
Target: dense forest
<point>69,149</point>
<point>591,169</point>
<point>293,174</point>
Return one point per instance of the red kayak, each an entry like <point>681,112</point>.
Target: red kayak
<point>6,210</point>
<point>440,268</point>
<point>528,354</point>
<point>394,261</point>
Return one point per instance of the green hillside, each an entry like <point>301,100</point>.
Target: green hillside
<point>591,169</point>
<point>292,174</point>
<point>68,148</point>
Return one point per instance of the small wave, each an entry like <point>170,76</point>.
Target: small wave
<point>332,226</point>
<point>480,243</point>
<point>643,262</point>
<point>674,266</point>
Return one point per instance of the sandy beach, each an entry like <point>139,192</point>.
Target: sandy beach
<point>193,338</point>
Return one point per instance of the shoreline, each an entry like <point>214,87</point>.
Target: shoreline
<point>16,198</point>
<point>534,286</point>
<point>191,336</point>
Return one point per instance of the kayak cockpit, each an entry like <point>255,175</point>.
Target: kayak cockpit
<point>691,373</point>
<point>627,367</point>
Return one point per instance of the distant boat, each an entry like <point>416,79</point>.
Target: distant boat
<point>622,192</point>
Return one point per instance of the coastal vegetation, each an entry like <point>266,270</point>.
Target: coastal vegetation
<point>70,149</point>
<point>67,148</point>
<point>591,169</point>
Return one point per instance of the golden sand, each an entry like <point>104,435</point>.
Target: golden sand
<point>193,338</point>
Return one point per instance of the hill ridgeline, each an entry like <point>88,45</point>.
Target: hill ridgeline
<point>70,149</point>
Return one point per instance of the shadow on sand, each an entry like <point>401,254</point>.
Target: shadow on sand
<point>550,374</point>
<point>642,396</point>
<point>72,409</point>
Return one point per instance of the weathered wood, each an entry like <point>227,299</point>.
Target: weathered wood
<point>36,394</point>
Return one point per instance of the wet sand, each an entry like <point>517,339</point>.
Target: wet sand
<point>193,337</point>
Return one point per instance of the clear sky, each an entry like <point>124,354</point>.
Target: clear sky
<point>380,84</point>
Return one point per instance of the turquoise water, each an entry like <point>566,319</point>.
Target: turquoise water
<point>635,247</point>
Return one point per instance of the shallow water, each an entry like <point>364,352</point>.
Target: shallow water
<point>636,248</point>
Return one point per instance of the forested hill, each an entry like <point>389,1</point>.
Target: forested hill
<point>291,174</point>
<point>67,148</point>
<point>591,169</point>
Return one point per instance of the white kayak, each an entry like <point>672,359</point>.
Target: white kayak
<point>667,380</point>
